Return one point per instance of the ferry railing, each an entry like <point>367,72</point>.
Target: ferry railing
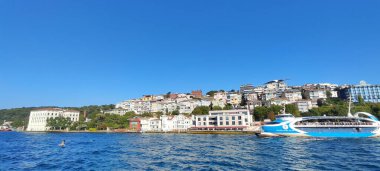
<point>335,124</point>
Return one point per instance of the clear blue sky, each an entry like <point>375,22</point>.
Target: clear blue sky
<point>82,52</point>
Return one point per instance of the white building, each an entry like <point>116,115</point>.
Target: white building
<point>38,117</point>
<point>150,124</point>
<point>223,120</point>
<point>175,123</point>
<point>334,93</point>
<point>317,94</point>
<point>293,95</point>
<point>118,111</point>
<point>233,98</point>
<point>221,96</point>
<point>304,105</point>
<point>276,85</point>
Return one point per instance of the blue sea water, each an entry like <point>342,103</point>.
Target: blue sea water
<point>121,151</point>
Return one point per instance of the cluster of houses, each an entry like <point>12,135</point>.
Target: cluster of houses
<point>275,92</point>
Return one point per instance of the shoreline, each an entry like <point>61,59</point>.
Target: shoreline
<point>150,132</point>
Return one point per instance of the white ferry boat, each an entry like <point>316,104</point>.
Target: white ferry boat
<point>361,124</point>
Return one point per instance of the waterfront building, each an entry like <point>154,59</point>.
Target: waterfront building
<point>369,93</point>
<point>38,117</point>
<point>223,120</point>
<point>175,123</point>
<point>135,124</point>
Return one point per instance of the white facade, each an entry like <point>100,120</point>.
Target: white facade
<point>317,94</point>
<point>293,95</point>
<point>223,120</point>
<point>37,118</point>
<point>334,93</point>
<point>304,105</point>
<point>175,123</point>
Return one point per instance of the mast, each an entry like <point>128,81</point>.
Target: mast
<point>349,106</point>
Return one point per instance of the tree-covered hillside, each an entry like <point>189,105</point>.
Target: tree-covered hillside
<point>20,116</point>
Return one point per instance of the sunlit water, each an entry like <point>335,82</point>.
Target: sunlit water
<point>118,151</point>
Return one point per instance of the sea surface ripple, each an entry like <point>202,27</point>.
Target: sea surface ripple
<point>119,151</point>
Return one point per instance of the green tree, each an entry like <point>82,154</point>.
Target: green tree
<point>175,112</point>
<point>211,93</point>
<point>271,116</point>
<point>261,113</point>
<point>211,106</point>
<point>328,94</point>
<point>201,110</point>
<point>217,108</point>
<point>293,109</point>
<point>147,114</point>
<point>243,100</point>
<point>58,122</point>
<point>360,100</point>
<point>228,107</point>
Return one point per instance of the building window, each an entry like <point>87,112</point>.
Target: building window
<point>204,119</point>
<point>220,123</point>
<point>233,122</point>
<point>220,118</point>
<point>199,119</point>
<point>239,117</point>
<point>240,123</point>
<point>233,118</point>
<point>246,119</point>
<point>227,123</point>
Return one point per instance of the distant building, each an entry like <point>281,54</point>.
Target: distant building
<point>293,95</point>
<point>223,120</point>
<point>117,111</point>
<point>304,105</point>
<point>315,94</point>
<point>276,85</point>
<point>369,93</point>
<point>247,89</point>
<point>197,93</point>
<point>38,117</point>
<point>234,98</point>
